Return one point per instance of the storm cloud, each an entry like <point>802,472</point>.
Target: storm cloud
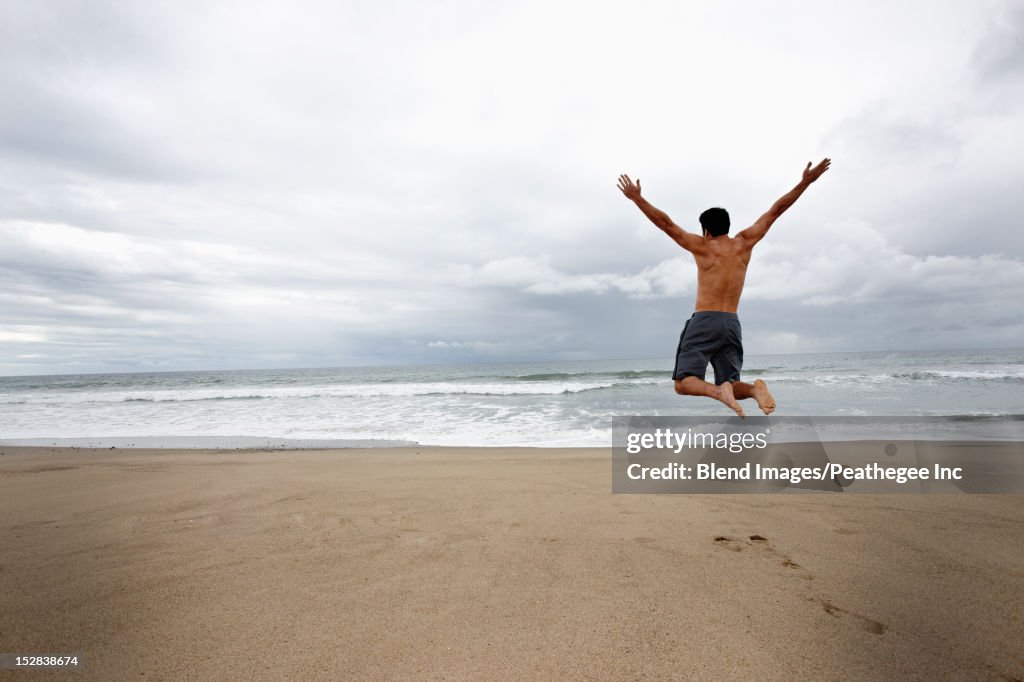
<point>272,184</point>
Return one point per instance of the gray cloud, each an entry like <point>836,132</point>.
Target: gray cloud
<point>999,54</point>
<point>873,138</point>
<point>195,186</point>
<point>936,161</point>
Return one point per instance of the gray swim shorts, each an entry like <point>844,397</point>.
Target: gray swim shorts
<point>710,336</point>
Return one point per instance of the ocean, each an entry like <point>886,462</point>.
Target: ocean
<point>555,404</point>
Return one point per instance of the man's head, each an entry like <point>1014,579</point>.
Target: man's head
<point>715,222</point>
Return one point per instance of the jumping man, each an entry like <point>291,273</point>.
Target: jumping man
<point>713,334</point>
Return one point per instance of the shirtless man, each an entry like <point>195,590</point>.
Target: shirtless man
<point>713,333</point>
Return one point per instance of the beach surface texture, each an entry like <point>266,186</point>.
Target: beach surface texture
<point>488,563</point>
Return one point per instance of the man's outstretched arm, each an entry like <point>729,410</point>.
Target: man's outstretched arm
<point>759,229</point>
<point>687,240</point>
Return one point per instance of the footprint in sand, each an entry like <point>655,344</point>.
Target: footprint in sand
<point>863,622</point>
<point>729,543</point>
<point>757,540</point>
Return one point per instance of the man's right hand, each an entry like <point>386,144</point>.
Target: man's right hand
<point>812,174</point>
<point>629,188</point>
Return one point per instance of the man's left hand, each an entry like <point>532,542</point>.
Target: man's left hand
<point>629,188</point>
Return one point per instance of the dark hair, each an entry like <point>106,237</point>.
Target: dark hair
<point>715,221</point>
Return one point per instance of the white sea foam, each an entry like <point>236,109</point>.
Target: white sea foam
<point>549,404</point>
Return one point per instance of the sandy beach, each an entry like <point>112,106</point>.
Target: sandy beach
<point>468,563</point>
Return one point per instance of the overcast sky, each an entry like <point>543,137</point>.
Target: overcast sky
<point>202,185</point>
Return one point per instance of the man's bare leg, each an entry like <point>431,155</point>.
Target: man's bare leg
<point>693,386</point>
<point>758,391</point>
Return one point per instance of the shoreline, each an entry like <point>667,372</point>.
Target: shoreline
<point>548,404</point>
<point>248,443</point>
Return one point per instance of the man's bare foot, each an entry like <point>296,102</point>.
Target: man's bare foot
<point>763,396</point>
<point>725,395</point>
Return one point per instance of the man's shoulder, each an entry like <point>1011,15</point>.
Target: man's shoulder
<point>739,243</point>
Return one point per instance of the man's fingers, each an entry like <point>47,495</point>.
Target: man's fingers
<point>626,185</point>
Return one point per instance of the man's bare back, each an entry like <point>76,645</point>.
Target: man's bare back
<point>721,270</point>
<point>713,334</point>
